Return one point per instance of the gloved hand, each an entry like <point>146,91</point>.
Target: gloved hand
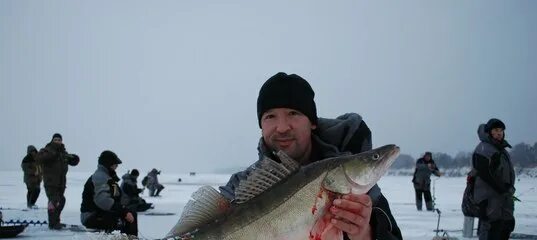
<point>74,160</point>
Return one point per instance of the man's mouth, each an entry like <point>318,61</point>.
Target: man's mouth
<point>284,142</point>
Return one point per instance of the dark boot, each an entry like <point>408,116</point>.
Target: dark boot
<point>35,196</point>
<point>429,203</point>
<point>429,206</point>
<point>160,187</point>
<point>143,207</point>
<point>130,229</point>
<point>29,199</point>
<point>54,211</point>
<point>53,216</point>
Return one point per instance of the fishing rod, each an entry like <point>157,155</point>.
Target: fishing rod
<point>434,192</point>
<point>527,191</point>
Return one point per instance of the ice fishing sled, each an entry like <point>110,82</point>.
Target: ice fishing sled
<point>9,231</point>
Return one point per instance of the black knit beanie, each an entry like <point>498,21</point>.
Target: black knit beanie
<point>108,158</point>
<point>494,123</point>
<point>287,91</point>
<point>135,172</point>
<point>31,149</point>
<point>56,135</point>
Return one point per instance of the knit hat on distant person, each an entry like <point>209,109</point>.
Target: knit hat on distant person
<point>31,149</point>
<point>428,153</point>
<point>108,158</point>
<point>287,91</point>
<point>56,135</point>
<point>135,172</point>
<point>494,123</point>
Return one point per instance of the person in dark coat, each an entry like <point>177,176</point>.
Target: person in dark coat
<point>32,176</point>
<point>55,160</point>
<point>101,206</point>
<point>153,184</point>
<point>288,120</point>
<point>131,197</point>
<point>425,166</point>
<point>495,182</point>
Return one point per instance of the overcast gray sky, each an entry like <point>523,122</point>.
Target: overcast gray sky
<point>173,84</point>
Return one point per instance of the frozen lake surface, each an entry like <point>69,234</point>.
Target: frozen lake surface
<point>397,189</point>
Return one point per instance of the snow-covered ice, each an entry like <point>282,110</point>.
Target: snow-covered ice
<point>398,190</point>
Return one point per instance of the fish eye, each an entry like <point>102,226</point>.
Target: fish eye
<point>376,156</point>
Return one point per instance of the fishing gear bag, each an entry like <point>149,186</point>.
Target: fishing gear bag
<point>144,181</point>
<point>470,208</point>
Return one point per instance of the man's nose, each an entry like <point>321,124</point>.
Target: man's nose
<point>283,125</point>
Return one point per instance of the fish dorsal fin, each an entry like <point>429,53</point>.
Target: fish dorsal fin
<point>206,205</point>
<point>267,173</point>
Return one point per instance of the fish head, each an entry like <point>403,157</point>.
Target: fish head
<point>360,172</point>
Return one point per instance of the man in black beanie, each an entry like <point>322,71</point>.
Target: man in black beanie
<point>101,206</point>
<point>55,160</point>
<point>287,116</point>
<point>131,193</point>
<point>495,182</point>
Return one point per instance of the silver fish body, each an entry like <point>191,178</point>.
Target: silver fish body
<point>289,208</point>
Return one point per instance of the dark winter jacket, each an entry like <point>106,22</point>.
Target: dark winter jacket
<point>422,174</point>
<point>336,137</point>
<point>495,177</point>
<point>101,193</point>
<point>130,189</point>
<point>54,161</point>
<point>32,171</point>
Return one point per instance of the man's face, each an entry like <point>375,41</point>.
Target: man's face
<point>288,130</point>
<point>57,140</point>
<point>114,167</point>
<point>497,134</point>
<point>427,157</point>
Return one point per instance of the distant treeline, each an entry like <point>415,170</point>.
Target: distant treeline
<point>523,155</point>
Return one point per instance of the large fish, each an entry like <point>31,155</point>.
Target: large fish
<point>282,200</point>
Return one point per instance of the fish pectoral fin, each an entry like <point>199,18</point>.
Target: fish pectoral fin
<point>265,175</point>
<point>207,205</point>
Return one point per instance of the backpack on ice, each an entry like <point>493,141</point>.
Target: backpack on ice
<point>144,181</point>
<point>469,206</point>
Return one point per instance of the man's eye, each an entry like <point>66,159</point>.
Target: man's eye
<point>294,113</point>
<point>268,116</point>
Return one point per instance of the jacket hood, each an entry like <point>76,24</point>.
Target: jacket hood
<point>127,177</point>
<point>485,137</point>
<point>60,147</point>
<point>338,131</point>
<point>110,172</point>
